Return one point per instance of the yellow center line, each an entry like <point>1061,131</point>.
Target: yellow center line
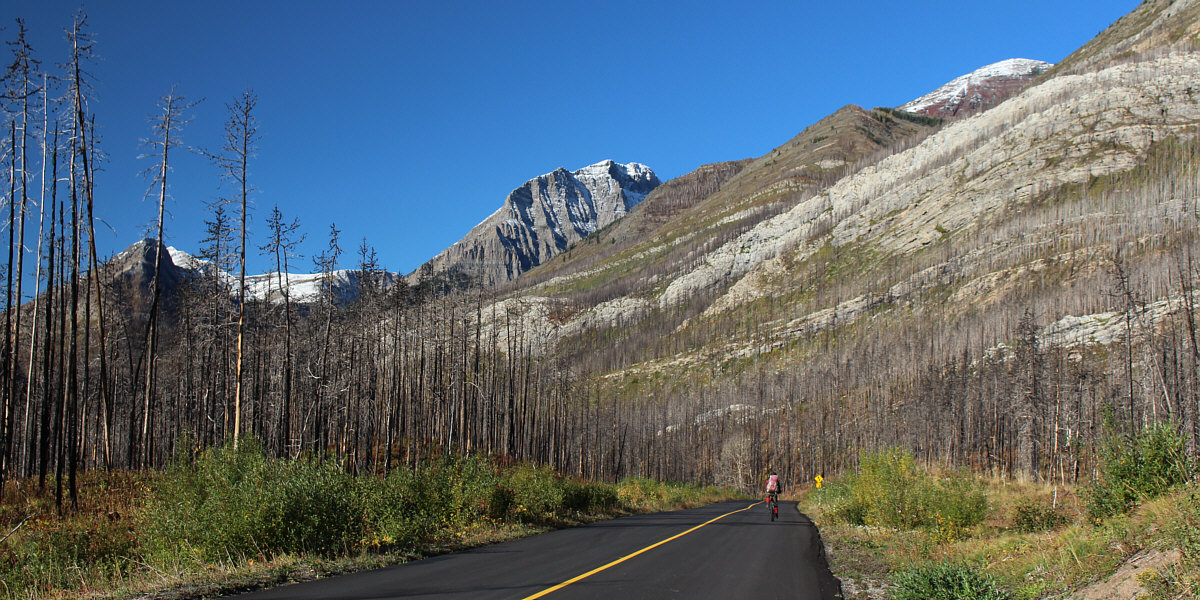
<point>629,556</point>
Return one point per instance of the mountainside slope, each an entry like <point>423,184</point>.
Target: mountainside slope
<point>717,203</point>
<point>1154,28</point>
<point>959,184</point>
<point>542,218</point>
<point>937,214</point>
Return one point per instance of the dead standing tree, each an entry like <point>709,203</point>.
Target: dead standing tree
<point>241,143</point>
<point>166,126</point>
<point>20,97</point>
<point>282,242</point>
<point>80,185</point>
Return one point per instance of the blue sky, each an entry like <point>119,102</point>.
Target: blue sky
<point>409,122</point>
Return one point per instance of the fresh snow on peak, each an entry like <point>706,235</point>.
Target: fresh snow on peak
<point>1013,67</point>
<point>958,90</point>
<point>184,260</point>
<point>632,170</point>
<point>599,169</point>
<point>637,170</point>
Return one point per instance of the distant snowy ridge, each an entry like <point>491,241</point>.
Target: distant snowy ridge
<point>979,88</point>
<point>303,288</point>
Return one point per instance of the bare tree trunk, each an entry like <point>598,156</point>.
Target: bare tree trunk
<point>37,280</point>
<point>241,136</point>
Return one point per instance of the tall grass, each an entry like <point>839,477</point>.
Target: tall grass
<point>237,502</point>
<point>1028,547</point>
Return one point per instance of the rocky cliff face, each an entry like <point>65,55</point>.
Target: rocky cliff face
<point>978,90</point>
<point>542,218</point>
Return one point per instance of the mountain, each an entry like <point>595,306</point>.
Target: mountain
<point>132,274</point>
<point>542,218</point>
<point>978,90</point>
<point>972,211</point>
<point>302,288</point>
<point>538,220</point>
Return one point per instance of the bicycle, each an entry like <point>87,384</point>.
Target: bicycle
<point>773,504</point>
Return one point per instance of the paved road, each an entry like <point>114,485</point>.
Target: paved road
<point>740,555</point>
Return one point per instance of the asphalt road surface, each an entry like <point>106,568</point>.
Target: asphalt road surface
<point>738,555</point>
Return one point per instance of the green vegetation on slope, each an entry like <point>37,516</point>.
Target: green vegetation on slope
<point>1138,468</point>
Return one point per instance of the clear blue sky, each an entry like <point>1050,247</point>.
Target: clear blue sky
<point>409,122</point>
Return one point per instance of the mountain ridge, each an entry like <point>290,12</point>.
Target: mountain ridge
<point>542,218</point>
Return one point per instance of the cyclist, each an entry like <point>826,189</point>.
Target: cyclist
<point>773,487</point>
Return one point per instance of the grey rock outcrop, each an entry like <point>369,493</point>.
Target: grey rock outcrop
<point>542,218</point>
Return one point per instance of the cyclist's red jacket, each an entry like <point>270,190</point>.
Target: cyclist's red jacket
<point>773,483</point>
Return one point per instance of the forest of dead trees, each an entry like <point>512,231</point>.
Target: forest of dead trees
<point>100,370</point>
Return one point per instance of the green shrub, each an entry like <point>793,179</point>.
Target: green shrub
<point>1167,583</point>
<point>1136,469</point>
<point>536,493</point>
<point>891,487</point>
<point>854,512</point>
<point>891,490</point>
<point>1031,516</point>
<point>237,502</point>
<point>1184,531</point>
<point>636,491</point>
<point>411,506</point>
<point>501,503</point>
<point>947,581</point>
<point>540,496</point>
<point>957,503</point>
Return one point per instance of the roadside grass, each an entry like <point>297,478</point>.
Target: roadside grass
<point>225,521</point>
<point>1037,541</point>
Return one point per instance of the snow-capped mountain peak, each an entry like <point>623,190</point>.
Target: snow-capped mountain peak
<point>979,89</point>
<point>544,217</point>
